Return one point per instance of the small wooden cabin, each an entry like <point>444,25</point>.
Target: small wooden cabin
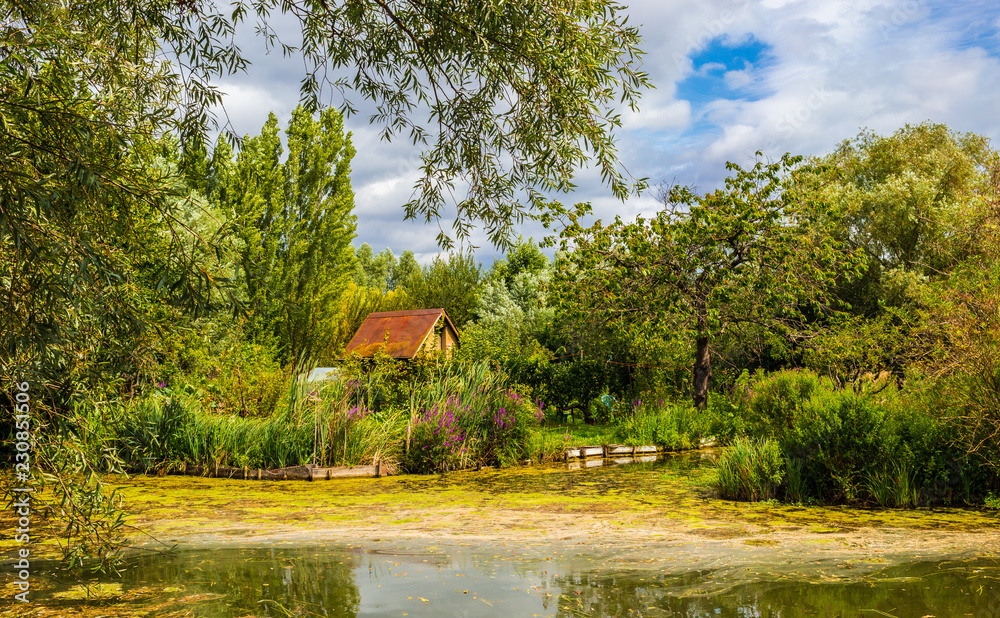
<point>404,334</point>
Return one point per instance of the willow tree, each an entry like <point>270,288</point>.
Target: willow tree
<point>751,253</point>
<point>507,100</point>
<point>915,202</point>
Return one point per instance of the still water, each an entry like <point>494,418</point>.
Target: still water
<point>499,580</point>
<point>583,575</point>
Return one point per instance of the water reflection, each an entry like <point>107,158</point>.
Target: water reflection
<point>501,581</point>
<point>931,589</point>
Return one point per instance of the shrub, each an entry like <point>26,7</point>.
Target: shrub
<point>838,441</point>
<point>777,400</point>
<point>750,470</point>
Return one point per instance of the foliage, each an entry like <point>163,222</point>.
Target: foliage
<point>750,470</point>
<point>493,79</point>
<point>876,444</point>
<point>750,253</point>
<point>321,423</point>
<point>295,224</point>
<point>452,285</point>
<point>837,443</point>
<point>964,335</point>
<point>894,486</point>
<point>915,202</point>
<point>383,272</point>
<point>576,433</point>
<point>850,348</point>
<point>778,401</point>
<point>672,427</point>
<point>346,316</point>
<point>466,415</point>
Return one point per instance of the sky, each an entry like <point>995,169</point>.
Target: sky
<point>731,77</point>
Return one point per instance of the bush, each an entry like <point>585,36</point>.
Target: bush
<point>776,401</point>
<point>838,440</point>
<point>750,470</point>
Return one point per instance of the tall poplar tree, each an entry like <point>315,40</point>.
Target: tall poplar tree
<point>295,223</point>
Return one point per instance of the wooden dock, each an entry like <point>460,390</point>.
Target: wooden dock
<point>608,451</point>
<point>625,452</point>
<point>294,473</point>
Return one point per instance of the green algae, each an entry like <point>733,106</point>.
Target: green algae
<point>674,494</point>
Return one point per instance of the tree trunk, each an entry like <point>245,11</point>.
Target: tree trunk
<point>702,372</point>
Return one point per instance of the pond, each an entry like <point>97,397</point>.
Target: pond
<point>498,580</point>
<point>646,539</point>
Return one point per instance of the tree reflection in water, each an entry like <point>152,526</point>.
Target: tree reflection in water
<point>336,581</point>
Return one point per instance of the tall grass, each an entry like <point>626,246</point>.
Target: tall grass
<point>750,470</point>
<point>466,415</point>
<point>669,426</point>
<point>894,485</point>
<point>318,424</point>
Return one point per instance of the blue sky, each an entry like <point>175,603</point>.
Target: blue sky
<point>731,77</point>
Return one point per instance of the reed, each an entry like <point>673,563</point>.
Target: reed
<point>895,486</point>
<point>321,425</point>
<point>750,470</point>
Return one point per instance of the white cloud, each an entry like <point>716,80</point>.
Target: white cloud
<point>832,68</point>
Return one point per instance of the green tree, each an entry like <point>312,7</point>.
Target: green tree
<point>452,285</point>
<point>295,222</point>
<point>751,253</point>
<point>914,202</point>
<point>378,271</point>
<point>511,309</point>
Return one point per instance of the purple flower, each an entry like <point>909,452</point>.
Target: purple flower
<point>161,384</point>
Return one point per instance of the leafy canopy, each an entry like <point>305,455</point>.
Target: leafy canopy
<point>750,253</point>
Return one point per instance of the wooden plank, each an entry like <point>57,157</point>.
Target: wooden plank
<point>646,449</point>
<point>618,449</point>
<point>572,453</point>
<point>591,451</point>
